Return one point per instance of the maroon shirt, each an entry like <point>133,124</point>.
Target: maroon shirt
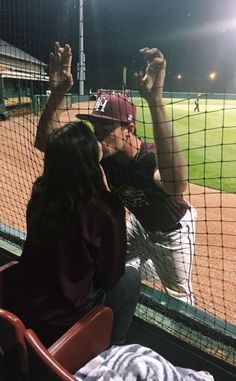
<point>133,183</point>
<point>59,280</point>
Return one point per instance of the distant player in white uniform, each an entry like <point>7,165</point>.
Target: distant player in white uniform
<point>197,103</point>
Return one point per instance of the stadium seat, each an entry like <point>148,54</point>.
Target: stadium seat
<point>85,340</point>
<point>25,357</point>
<point>13,347</point>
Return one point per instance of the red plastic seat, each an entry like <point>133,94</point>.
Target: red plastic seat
<point>13,347</point>
<point>25,357</point>
<point>85,340</point>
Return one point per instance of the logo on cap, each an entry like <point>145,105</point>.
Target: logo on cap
<point>100,104</point>
<point>129,117</point>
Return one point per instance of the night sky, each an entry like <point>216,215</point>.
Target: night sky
<point>196,36</point>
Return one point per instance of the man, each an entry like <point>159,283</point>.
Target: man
<point>149,178</point>
<point>197,99</point>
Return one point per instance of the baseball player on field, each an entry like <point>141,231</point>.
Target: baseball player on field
<point>150,178</point>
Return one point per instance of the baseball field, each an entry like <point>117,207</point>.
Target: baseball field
<point>208,139</point>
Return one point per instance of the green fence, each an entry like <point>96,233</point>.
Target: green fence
<point>39,102</point>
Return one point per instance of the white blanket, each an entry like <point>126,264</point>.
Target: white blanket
<point>136,363</point>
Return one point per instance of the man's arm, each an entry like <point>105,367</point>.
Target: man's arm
<point>172,174</point>
<point>61,81</point>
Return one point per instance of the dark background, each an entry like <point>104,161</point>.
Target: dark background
<point>196,36</point>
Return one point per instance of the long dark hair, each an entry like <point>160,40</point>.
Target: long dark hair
<point>71,176</point>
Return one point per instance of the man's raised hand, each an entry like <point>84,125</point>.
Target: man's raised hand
<point>151,82</point>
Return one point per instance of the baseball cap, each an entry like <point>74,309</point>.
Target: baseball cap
<point>111,106</point>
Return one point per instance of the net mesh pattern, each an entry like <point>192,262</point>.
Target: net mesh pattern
<point>207,138</point>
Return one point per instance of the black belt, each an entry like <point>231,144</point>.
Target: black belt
<point>172,228</point>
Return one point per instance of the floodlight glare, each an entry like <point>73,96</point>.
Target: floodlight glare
<point>179,76</point>
<point>212,75</point>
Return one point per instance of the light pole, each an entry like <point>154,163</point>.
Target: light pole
<point>81,63</point>
<point>124,79</point>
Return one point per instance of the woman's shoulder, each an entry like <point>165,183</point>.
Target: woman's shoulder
<point>107,198</point>
<point>103,212</point>
<point>104,202</point>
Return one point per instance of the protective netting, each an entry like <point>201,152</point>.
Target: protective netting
<point>202,120</point>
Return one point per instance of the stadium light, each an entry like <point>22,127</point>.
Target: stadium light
<point>212,75</point>
<point>179,76</point>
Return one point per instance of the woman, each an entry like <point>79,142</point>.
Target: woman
<point>74,254</point>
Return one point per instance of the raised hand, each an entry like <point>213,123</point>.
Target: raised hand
<point>151,82</point>
<point>61,79</point>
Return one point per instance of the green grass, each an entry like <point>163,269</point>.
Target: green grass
<point>207,138</point>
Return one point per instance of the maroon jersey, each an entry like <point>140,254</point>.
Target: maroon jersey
<point>133,183</point>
